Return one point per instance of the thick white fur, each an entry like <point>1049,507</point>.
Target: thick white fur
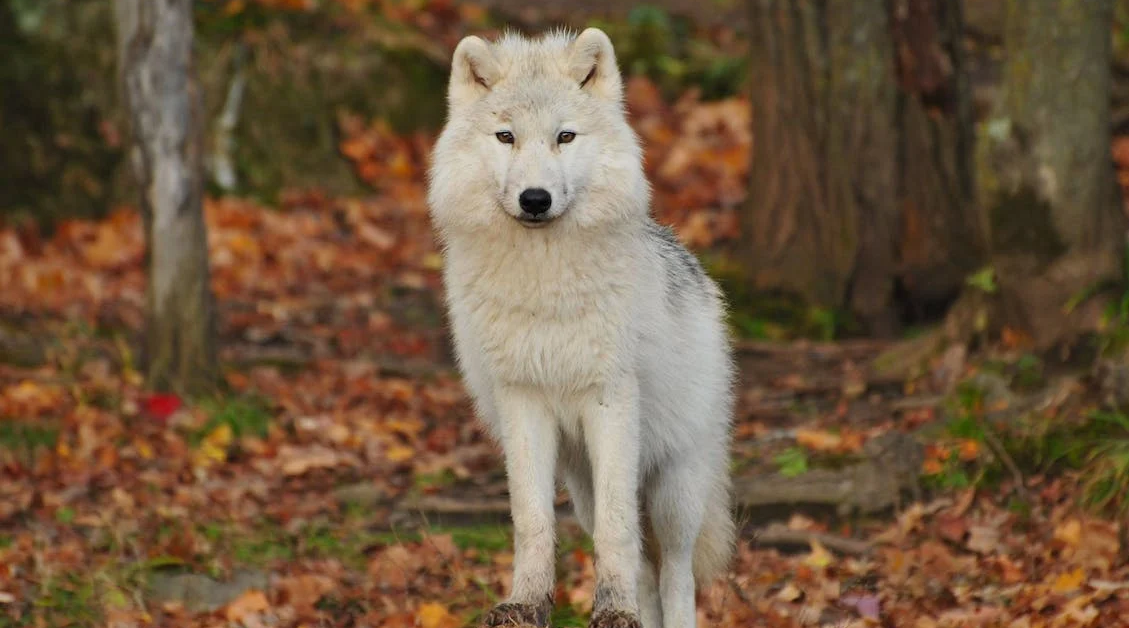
<point>593,346</point>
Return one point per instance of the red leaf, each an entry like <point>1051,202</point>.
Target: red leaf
<point>161,406</point>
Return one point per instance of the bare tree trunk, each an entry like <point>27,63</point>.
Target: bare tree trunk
<point>155,59</point>
<point>943,235</point>
<point>859,192</point>
<point>1046,174</point>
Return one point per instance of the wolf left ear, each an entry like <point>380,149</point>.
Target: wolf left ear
<point>474,70</point>
<point>592,65</point>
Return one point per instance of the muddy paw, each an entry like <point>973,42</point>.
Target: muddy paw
<point>614,619</point>
<point>514,614</point>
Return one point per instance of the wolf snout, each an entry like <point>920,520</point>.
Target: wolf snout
<point>535,201</point>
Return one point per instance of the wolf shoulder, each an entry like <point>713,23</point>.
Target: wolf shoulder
<point>685,282</point>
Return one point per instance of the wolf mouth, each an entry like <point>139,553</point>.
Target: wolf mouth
<point>534,222</point>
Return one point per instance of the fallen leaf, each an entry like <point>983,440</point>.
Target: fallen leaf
<point>983,539</point>
<point>790,593</point>
<point>435,615</point>
<point>161,406</point>
<point>818,440</point>
<point>250,602</point>
<point>213,449</point>
<point>304,591</point>
<point>1069,581</point>
<point>867,606</point>
<point>968,450</point>
<point>1069,532</point>
<point>819,557</point>
<point>399,453</point>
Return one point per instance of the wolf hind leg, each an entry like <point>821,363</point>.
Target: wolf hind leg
<point>681,495</point>
<point>650,602</point>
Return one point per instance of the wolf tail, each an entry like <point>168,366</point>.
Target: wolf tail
<point>714,548</point>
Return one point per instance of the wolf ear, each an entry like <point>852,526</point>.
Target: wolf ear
<point>474,70</point>
<point>592,65</point>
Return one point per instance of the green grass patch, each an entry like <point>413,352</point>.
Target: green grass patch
<point>25,440</point>
<point>572,542</point>
<point>567,616</point>
<point>444,478</point>
<point>483,537</point>
<point>1094,443</point>
<point>65,515</point>
<point>345,541</point>
<point>792,462</point>
<point>245,415</point>
<point>69,600</point>
<point>261,551</point>
<point>24,437</point>
<point>487,538</point>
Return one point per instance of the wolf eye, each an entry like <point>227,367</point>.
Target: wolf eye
<point>564,137</point>
<point>505,137</point>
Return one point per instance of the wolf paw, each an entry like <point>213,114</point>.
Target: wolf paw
<point>614,619</point>
<point>517,614</point>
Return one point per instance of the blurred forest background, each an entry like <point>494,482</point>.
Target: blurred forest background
<point>226,391</point>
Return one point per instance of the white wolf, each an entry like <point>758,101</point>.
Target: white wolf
<point>591,341</point>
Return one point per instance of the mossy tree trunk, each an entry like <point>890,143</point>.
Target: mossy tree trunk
<point>155,55</point>
<point>860,194</point>
<point>1046,172</point>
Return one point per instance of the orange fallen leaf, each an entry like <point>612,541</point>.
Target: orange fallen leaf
<point>249,603</point>
<point>1069,532</point>
<point>399,453</point>
<point>435,615</point>
<point>818,440</point>
<point>968,450</point>
<point>1069,581</point>
<point>932,466</point>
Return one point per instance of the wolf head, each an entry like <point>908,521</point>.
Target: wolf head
<point>536,136</point>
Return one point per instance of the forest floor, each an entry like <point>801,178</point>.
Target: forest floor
<point>340,478</point>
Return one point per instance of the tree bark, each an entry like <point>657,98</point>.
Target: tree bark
<point>1046,173</point>
<point>155,39</point>
<point>860,193</point>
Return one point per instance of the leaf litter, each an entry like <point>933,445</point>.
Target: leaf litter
<point>340,381</point>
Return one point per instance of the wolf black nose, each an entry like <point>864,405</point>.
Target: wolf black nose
<point>535,201</point>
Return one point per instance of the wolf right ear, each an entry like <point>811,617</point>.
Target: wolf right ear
<point>592,65</point>
<point>474,70</point>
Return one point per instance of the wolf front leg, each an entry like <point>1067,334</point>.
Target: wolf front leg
<point>529,439</point>
<point>611,434</point>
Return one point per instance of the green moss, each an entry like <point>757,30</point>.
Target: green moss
<point>772,316</point>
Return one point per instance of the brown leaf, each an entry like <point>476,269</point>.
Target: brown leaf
<point>304,591</point>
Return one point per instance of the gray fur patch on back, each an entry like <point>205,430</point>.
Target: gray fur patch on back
<point>684,272</point>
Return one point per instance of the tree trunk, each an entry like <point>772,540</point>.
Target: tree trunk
<point>859,193</point>
<point>1046,173</point>
<point>155,60</point>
